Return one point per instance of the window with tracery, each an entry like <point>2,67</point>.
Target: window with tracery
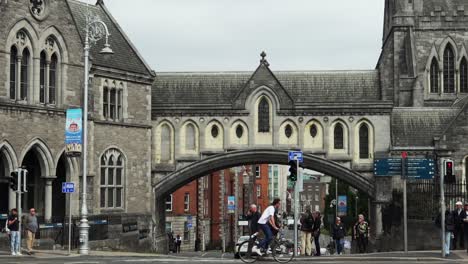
<point>449,70</point>
<point>463,76</point>
<point>434,76</point>
<point>112,179</point>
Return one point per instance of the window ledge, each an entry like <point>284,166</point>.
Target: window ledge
<point>112,210</point>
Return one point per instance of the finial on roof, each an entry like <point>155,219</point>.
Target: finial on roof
<point>263,60</point>
<point>100,2</point>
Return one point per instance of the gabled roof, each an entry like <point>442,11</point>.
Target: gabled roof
<point>194,89</point>
<point>125,57</point>
<point>417,127</point>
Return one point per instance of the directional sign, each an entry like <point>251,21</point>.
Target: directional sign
<point>387,167</point>
<point>68,187</point>
<point>296,155</point>
<point>420,168</point>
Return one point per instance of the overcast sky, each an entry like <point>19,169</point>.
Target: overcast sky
<point>226,35</point>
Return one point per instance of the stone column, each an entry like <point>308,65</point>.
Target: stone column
<point>48,200</point>
<point>159,230</point>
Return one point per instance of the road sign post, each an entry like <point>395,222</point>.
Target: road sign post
<point>404,156</point>
<point>69,187</point>
<point>298,157</point>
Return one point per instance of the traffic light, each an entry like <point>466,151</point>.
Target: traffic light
<point>13,180</point>
<point>292,170</point>
<point>448,167</point>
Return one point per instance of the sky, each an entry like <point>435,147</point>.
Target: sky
<point>229,35</point>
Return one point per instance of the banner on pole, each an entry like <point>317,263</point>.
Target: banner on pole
<point>342,205</point>
<point>73,132</point>
<point>231,204</point>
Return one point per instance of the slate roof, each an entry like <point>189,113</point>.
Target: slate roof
<point>198,89</point>
<point>125,57</point>
<point>417,127</point>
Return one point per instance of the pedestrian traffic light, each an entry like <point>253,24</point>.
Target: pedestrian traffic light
<point>13,179</point>
<point>292,170</point>
<point>449,175</point>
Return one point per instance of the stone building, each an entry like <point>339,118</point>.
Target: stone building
<point>42,75</point>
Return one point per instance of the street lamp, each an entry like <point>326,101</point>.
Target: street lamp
<point>95,30</point>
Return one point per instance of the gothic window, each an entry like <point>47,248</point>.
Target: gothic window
<point>449,70</point>
<point>187,202</point>
<point>338,136</point>
<point>42,77</point>
<point>112,179</point>
<point>112,102</point>
<point>264,116</point>
<point>463,76</point>
<point>169,203</point>
<point>288,131</point>
<point>434,76</point>
<point>13,76</point>
<point>24,75</point>
<point>313,130</point>
<point>364,142</point>
<point>190,137</point>
<point>52,78</point>
<point>166,142</point>
<point>214,131</point>
<point>239,131</point>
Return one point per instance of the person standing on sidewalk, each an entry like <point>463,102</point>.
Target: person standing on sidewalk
<point>465,226</point>
<point>31,226</point>
<point>338,234</point>
<point>307,222</point>
<point>178,243</point>
<point>361,234</point>
<point>316,231</point>
<point>13,224</point>
<point>458,238</point>
<point>449,229</point>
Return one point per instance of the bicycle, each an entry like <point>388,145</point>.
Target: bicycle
<point>282,250</point>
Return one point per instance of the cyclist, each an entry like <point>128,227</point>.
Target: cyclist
<point>268,224</point>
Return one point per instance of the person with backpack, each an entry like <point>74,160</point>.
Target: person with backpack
<point>449,229</point>
<point>307,223</point>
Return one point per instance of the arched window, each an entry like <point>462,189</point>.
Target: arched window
<point>338,136</point>
<point>112,99</point>
<point>463,76</point>
<point>263,116</point>
<point>24,75</point>
<point>288,131</point>
<point>449,70</point>
<point>434,76</point>
<point>166,142</point>
<point>13,76</point>
<point>52,78</point>
<point>239,131</point>
<point>364,142</point>
<point>214,131</point>
<point>112,179</point>
<point>42,77</point>
<point>190,137</point>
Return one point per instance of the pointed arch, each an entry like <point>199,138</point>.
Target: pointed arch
<point>339,137</point>
<point>165,142</point>
<point>55,34</point>
<point>239,133</point>
<point>73,166</point>
<point>112,180</point>
<point>364,138</point>
<point>9,153</point>
<point>189,138</point>
<point>463,75</point>
<point>449,59</point>
<point>264,113</point>
<point>313,135</point>
<point>288,133</point>
<point>434,77</point>
<point>25,26</point>
<point>44,156</point>
<point>214,135</point>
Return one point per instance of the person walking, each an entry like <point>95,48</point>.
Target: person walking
<point>253,216</point>
<point>178,243</point>
<point>465,226</point>
<point>267,223</point>
<point>458,238</point>
<point>339,233</point>
<point>316,231</point>
<point>449,229</point>
<point>13,225</point>
<point>307,222</point>
<point>31,227</point>
<point>361,234</point>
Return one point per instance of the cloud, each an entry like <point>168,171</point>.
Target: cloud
<point>222,35</point>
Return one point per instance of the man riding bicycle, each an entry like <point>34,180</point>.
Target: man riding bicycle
<point>267,223</point>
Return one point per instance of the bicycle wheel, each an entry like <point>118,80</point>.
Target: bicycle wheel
<point>247,251</point>
<point>282,251</point>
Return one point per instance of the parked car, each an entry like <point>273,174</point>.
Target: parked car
<point>243,249</point>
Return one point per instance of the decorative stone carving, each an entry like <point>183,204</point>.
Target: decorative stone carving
<point>38,8</point>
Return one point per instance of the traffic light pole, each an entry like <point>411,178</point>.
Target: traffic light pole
<point>20,211</point>
<point>442,207</point>
<point>296,208</point>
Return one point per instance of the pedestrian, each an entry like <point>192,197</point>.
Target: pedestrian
<point>178,243</point>
<point>449,229</point>
<point>339,233</point>
<point>253,215</point>
<point>307,222</point>
<point>316,231</point>
<point>31,227</point>
<point>458,238</point>
<point>361,234</point>
<point>13,226</point>
<point>267,224</point>
<point>465,225</point>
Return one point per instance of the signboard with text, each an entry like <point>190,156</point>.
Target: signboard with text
<point>231,204</point>
<point>342,205</point>
<point>416,168</point>
<point>73,132</point>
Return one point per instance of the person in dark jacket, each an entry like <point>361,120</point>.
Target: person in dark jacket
<point>339,232</point>
<point>458,238</point>
<point>465,226</point>
<point>361,233</point>
<point>449,229</point>
<point>252,216</point>
<point>307,222</point>
<point>316,231</point>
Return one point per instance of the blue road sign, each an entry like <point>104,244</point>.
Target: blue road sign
<point>296,155</point>
<point>68,187</point>
<point>416,168</point>
<point>387,167</point>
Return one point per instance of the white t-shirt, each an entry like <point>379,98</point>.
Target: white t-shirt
<point>270,211</point>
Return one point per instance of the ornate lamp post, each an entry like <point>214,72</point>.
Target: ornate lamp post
<point>95,30</point>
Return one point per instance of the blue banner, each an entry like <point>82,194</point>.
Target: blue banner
<point>231,204</point>
<point>342,205</point>
<point>73,131</point>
